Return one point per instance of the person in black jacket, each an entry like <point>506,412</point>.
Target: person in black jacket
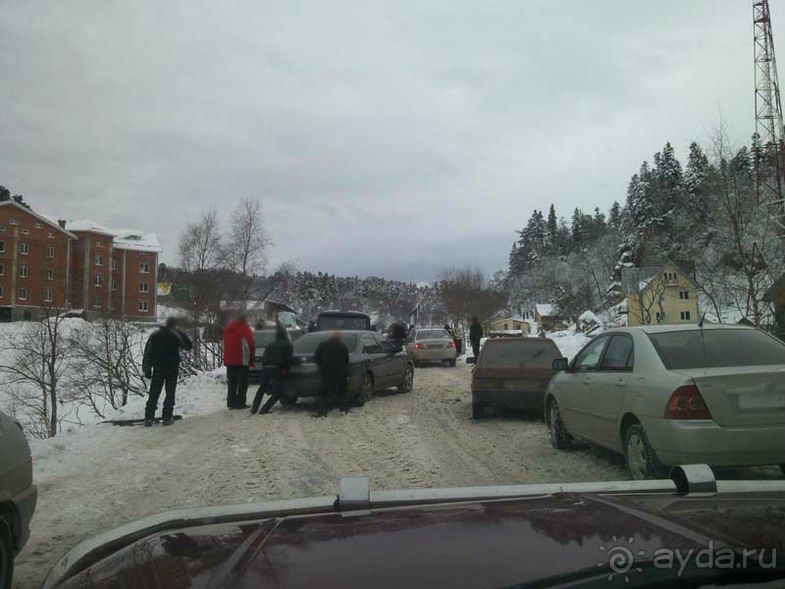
<point>332,358</point>
<point>276,360</point>
<point>475,335</point>
<point>161,364</point>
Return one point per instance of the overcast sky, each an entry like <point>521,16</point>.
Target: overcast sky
<point>383,138</point>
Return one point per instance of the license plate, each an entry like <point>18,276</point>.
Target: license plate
<point>434,346</point>
<point>762,401</point>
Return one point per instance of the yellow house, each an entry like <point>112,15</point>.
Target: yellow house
<point>510,324</point>
<point>667,295</point>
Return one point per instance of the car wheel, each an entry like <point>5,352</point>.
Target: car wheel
<point>641,460</point>
<point>366,392</point>
<point>288,401</point>
<point>6,555</point>
<point>478,411</point>
<point>560,437</point>
<point>408,381</point>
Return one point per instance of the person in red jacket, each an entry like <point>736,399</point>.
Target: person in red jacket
<point>239,353</point>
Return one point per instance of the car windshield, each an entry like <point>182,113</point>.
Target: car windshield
<point>433,334</point>
<point>332,322</point>
<point>517,213</point>
<point>264,338</point>
<point>717,348</point>
<point>519,354</point>
<point>307,344</point>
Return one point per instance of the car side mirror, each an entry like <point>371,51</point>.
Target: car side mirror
<point>560,364</point>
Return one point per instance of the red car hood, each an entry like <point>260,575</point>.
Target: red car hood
<point>479,544</point>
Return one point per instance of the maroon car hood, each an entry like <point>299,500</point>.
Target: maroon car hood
<point>482,544</point>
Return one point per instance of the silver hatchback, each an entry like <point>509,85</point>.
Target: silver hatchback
<point>18,495</point>
<point>667,394</point>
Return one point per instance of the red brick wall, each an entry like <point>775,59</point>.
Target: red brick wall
<point>134,276</point>
<point>18,227</point>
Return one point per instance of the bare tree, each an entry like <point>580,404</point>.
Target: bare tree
<point>245,245</point>
<point>106,365</point>
<point>200,243</point>
<point>36,356</point>
<point>465,292</point>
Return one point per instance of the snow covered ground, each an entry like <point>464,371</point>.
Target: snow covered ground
<point>100,476</point>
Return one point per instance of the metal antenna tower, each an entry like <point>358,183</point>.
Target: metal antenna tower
<point>769,130</point>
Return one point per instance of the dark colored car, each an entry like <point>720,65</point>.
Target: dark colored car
<point>262,338</point>
<point>343,320</point>
<point>688,531</point>
<point>375,364</point>
<point>512,373</point>
<point>18,495</point>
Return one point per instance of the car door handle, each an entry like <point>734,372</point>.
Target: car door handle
<point>620,383</point>
<point>586,381</point>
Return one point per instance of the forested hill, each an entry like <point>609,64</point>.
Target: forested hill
<point>704,214</point>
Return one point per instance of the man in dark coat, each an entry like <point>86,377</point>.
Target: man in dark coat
<point>161,364</point>
<point>475,335</point>
<point>332,358</point>
<point>276,360</point>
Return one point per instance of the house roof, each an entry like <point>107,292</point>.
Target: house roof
<point>127,239</point>
<point>52,223</point>
<point>545,309</point>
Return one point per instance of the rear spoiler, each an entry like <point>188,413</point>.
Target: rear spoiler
<point>355,494</point>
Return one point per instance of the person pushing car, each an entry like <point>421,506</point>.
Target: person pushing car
<point>276,360</point>
<point>332,358</point>
<point>239,351</point>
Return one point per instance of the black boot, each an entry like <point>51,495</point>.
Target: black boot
<point>148,423</point>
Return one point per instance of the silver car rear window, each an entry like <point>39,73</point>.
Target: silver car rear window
<point>714,348</point>
<point>307,344</point>
<point>433,334</point>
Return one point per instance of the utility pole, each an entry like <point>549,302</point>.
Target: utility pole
<point>769,130</point>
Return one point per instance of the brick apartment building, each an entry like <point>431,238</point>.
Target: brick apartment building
<point>46,263</point>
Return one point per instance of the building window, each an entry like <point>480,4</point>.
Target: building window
<point>1,291</point>
<point>14,222</point>
<point>50,251</point>
<point>23,294</point>
<point>25,232</point>
<point>50,274</point>
<point>50,235</point>
<point>23,271</point>
<point>99,260</point>
<point>2,228</point>
<point>49,295</point>
<point>98,280</point>
<point>24,248</point>
<point>99,244</point>
<point>2,246</point>
<point>144,287</point>
<point>144,267</point>
<point>114,283</point>
<point>2,269</point>
<point>97,303</point>
<point>39,226</point>
<point>684,295</point>
<point>114,264</point>
<point>685,315</point>
<point>142,307</point>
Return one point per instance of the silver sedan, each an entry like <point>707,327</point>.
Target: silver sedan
<point>674,394</point>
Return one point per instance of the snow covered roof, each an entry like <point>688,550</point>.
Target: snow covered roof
<point>127,239</point>
<point>589,317</point>
<point>45,218</point>
<point>545,309</point>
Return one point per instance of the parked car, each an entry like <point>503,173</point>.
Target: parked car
<point>343,320</point>
<point>432,344</point>
<point>688,531</point>
<point>672,394</point>
<point>375,364</point>
<point>512,373</point>
<point>262,338</point>
<point>18,495</point>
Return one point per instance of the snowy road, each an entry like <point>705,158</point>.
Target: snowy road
<point>422,439</point>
